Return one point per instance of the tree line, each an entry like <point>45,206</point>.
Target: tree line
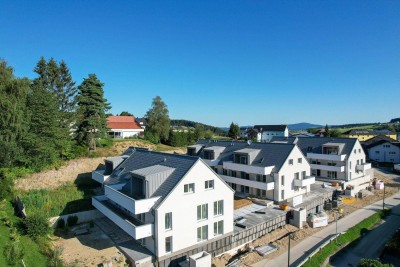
<point>48,118</point>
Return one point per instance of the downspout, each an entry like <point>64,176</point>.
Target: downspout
<point>155,237</point>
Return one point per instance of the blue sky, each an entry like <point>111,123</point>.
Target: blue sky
<point>251,62</point>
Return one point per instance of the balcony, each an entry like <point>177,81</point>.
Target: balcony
<point>132,227</point>
<point>363,167</point>
<point>99,176</point>
<point>308,180</point>
<point>129,203</point>
<point>327,168</point>
<point>247,168</point>
<point>331,157</point>
<point>260,185</point>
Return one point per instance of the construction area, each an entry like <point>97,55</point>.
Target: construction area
<point>276,242</point>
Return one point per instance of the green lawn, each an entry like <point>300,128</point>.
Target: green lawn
<point>350,236</point>
<point>32,255</point>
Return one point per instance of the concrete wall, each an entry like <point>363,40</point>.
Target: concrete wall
<point>83,216</point>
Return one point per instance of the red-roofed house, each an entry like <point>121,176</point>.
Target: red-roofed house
<point>123,126</point>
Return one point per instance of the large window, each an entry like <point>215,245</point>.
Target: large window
<point>188,188</point>
<point>332,175</point>
<point>202,233</point>
<point>209,155</point>
<point>168,244</point>
<point>209,184</point>
<point>283,180</point>
<point>218,207</point>
<point>219,228</point>
<point>202,212</point>
<point>168,221</point>
<point>241,159</point>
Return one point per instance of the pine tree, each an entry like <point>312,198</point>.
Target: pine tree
<point>158,122</point>
<point>92,108</point>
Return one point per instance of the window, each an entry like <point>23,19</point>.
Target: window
<point>191,151</point>
<point>209,184</point>
<point>303,174</point>
<point>283,180</point>
<point>332,174</point>
<point>244,175</point>
<point>188,188</point>
<point>297,175</point>
<point>218,207</point>
<point>282,194</point>
<point>233,186</point>
<point>202,233</point>
<point>209,155</point>
<point>224,172</point>
<point>215,169</point>
<point>261,178</point>
<point>376,152</point>
<point>290,161</point>
<point>202,212</point>
<point>349,164</point>
<point>168,244</point>
<point>359,150</point>
<point>261,193</point>
<point>168,221</point>
<point>299,160</point>
<point>233,173</point>
<point>218,228</point>
<point>355,151</point>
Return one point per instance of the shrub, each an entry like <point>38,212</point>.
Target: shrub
<point>372,263</point>
<point>61,223</point>
<point>36,226</point>
<point>72,220</point>
<point>6,185</point>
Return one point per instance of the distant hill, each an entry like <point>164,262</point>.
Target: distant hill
<point>187,123</point>
<point>303,126</point>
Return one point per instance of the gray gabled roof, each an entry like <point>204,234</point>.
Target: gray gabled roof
<point>145,161</point>
<point>314,144</point>
<point>270,154</point>
<point>271,128</point>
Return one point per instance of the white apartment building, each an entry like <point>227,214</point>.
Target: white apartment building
<point>278,172</point>
<point>334,159</point>
<point>168,203</point>
<point>266,132</point>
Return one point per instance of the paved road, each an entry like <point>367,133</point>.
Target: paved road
<point>302,249</point>
<point>371,245</point>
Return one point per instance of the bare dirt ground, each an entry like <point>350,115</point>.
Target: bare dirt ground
<point>69,172</point>
<point>89,250</point>
<point>279,239</point>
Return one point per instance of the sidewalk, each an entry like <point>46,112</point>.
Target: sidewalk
<point>345,223</point>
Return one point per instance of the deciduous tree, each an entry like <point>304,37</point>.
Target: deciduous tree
<point>158,122</point>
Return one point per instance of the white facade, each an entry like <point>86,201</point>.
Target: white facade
<point>266,136</point>
<point>183,207</point>
<point>351,169</point>
<point>385,152</point>
<point>294,178</point>
<point>125,133</point>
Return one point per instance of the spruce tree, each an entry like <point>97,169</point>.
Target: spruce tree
<point>92,108</point>
<point>234,131</point>
<point>13,119</point>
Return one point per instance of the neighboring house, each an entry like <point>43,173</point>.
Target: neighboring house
<point>123,127</point>
<point>334,159</point>
<point>277,172</point>
<point>364,135</point>
<point>142,122</point>
<point>320,133</point>
<point>383,149</point>
<point>244,131</point>
<point>266,132</point>
<point>170,204</point>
